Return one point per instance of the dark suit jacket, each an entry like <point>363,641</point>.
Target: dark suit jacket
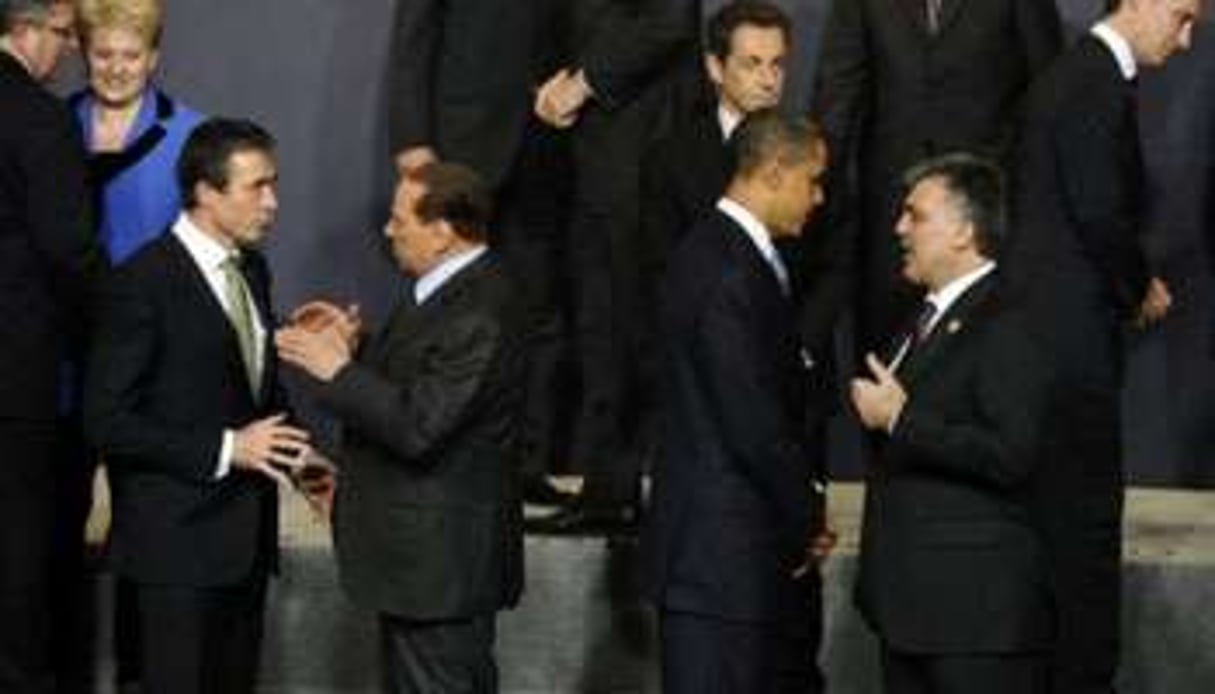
<point>951,558</point>
<point>684,175</point>
<point>1078,210</point>
<point>49,255</point>
<point>165,379</point>
<point>734,504</point>
<point>462,78</point>
<point>427,522</point>
<point>889,94</point>
<point>636,55</point>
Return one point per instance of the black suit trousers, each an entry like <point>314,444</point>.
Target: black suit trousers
<point>27,452</point>
<point>904,673</point>
<point>438,657</point>
<point>703,653</point>
<point>202,640</point>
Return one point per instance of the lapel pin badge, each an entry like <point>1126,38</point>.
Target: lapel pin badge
<point>954,326</point>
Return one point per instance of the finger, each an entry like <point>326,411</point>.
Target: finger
<point>272,419</point>
<point>278,477</point>
<point>288,433</point>
<point>877,368</point>
<point>284,462</point>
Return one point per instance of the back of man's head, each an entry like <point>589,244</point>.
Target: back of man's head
<point>456,194</point>
<point>208,149</point>
<point>768,136</point>
<point>732,15</point>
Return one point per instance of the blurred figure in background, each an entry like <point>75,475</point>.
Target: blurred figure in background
<point>48,262</point>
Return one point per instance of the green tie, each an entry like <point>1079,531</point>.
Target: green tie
<point>237,295</point>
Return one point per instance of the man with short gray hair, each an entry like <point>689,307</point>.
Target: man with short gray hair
<point>951,572</point>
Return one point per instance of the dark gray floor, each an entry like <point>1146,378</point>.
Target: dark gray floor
<point>582,629</point>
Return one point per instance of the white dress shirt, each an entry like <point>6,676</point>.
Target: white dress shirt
<point>1120,47</point>
<point>428,284</point>
<point>209,255</point>
<point>758,233</point>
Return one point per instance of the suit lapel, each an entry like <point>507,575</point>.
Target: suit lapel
<point>408,319</point>
<point>744,247</point>
<point>953,324</point>
<point>207,307</point>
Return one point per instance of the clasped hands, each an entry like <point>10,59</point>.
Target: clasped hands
<point>320,338</point>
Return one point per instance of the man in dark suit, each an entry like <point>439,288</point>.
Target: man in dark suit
<point>427,522</point>
<point>462,78</point>
<point>1078,255</point>
<point>737,499</point>
<point>624,62</point>
<point>901,80</point>
<point>686,172</point>
<point>952,573</point>
<point>49,260</point>
<point>183,401</point>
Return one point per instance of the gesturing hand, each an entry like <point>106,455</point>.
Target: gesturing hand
<point>316,316</point>
<point>560,99</point>
<point>880,399</point>
<point>266,444</point>
<point>321,354</point>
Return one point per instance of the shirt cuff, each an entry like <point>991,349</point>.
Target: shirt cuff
<point>225,455</point>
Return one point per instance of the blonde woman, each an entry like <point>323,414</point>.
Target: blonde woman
<point>134,131</point>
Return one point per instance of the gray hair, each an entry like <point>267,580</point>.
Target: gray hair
<point>13,10</point>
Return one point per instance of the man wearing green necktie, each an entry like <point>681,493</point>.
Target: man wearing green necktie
<point>184,403</point>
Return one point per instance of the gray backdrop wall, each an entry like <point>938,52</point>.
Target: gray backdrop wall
<point>314,72</point>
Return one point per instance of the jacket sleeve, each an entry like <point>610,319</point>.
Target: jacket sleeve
<point>628,48</point>
<point>744,389</point>
<point>1101,175</point>
<point>122,357</point>
<point>417,33</point>
<point>416,413</point>
<point>995,443</point>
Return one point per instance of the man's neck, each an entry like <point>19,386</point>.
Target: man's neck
<point>203,224</point>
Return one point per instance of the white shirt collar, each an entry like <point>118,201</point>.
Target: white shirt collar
<point>1120,47</point>
<point>758,233</point>
<point>207,252</point>
<point>727,120</point>
<point>946,296</point>
<point>428,284</point>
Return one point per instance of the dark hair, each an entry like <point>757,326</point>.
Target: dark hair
<point>731,16</point>
<point>768,135</point>
<point>455,194</point>
<point>209,149</point>
<point>976,186</point>
<point>35,10</point>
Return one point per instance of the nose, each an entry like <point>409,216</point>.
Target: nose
<point>270,200</point>
<point>769,76</point>
<point>901,225</point>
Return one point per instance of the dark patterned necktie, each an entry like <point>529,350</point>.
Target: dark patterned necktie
<point>923,322</point>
